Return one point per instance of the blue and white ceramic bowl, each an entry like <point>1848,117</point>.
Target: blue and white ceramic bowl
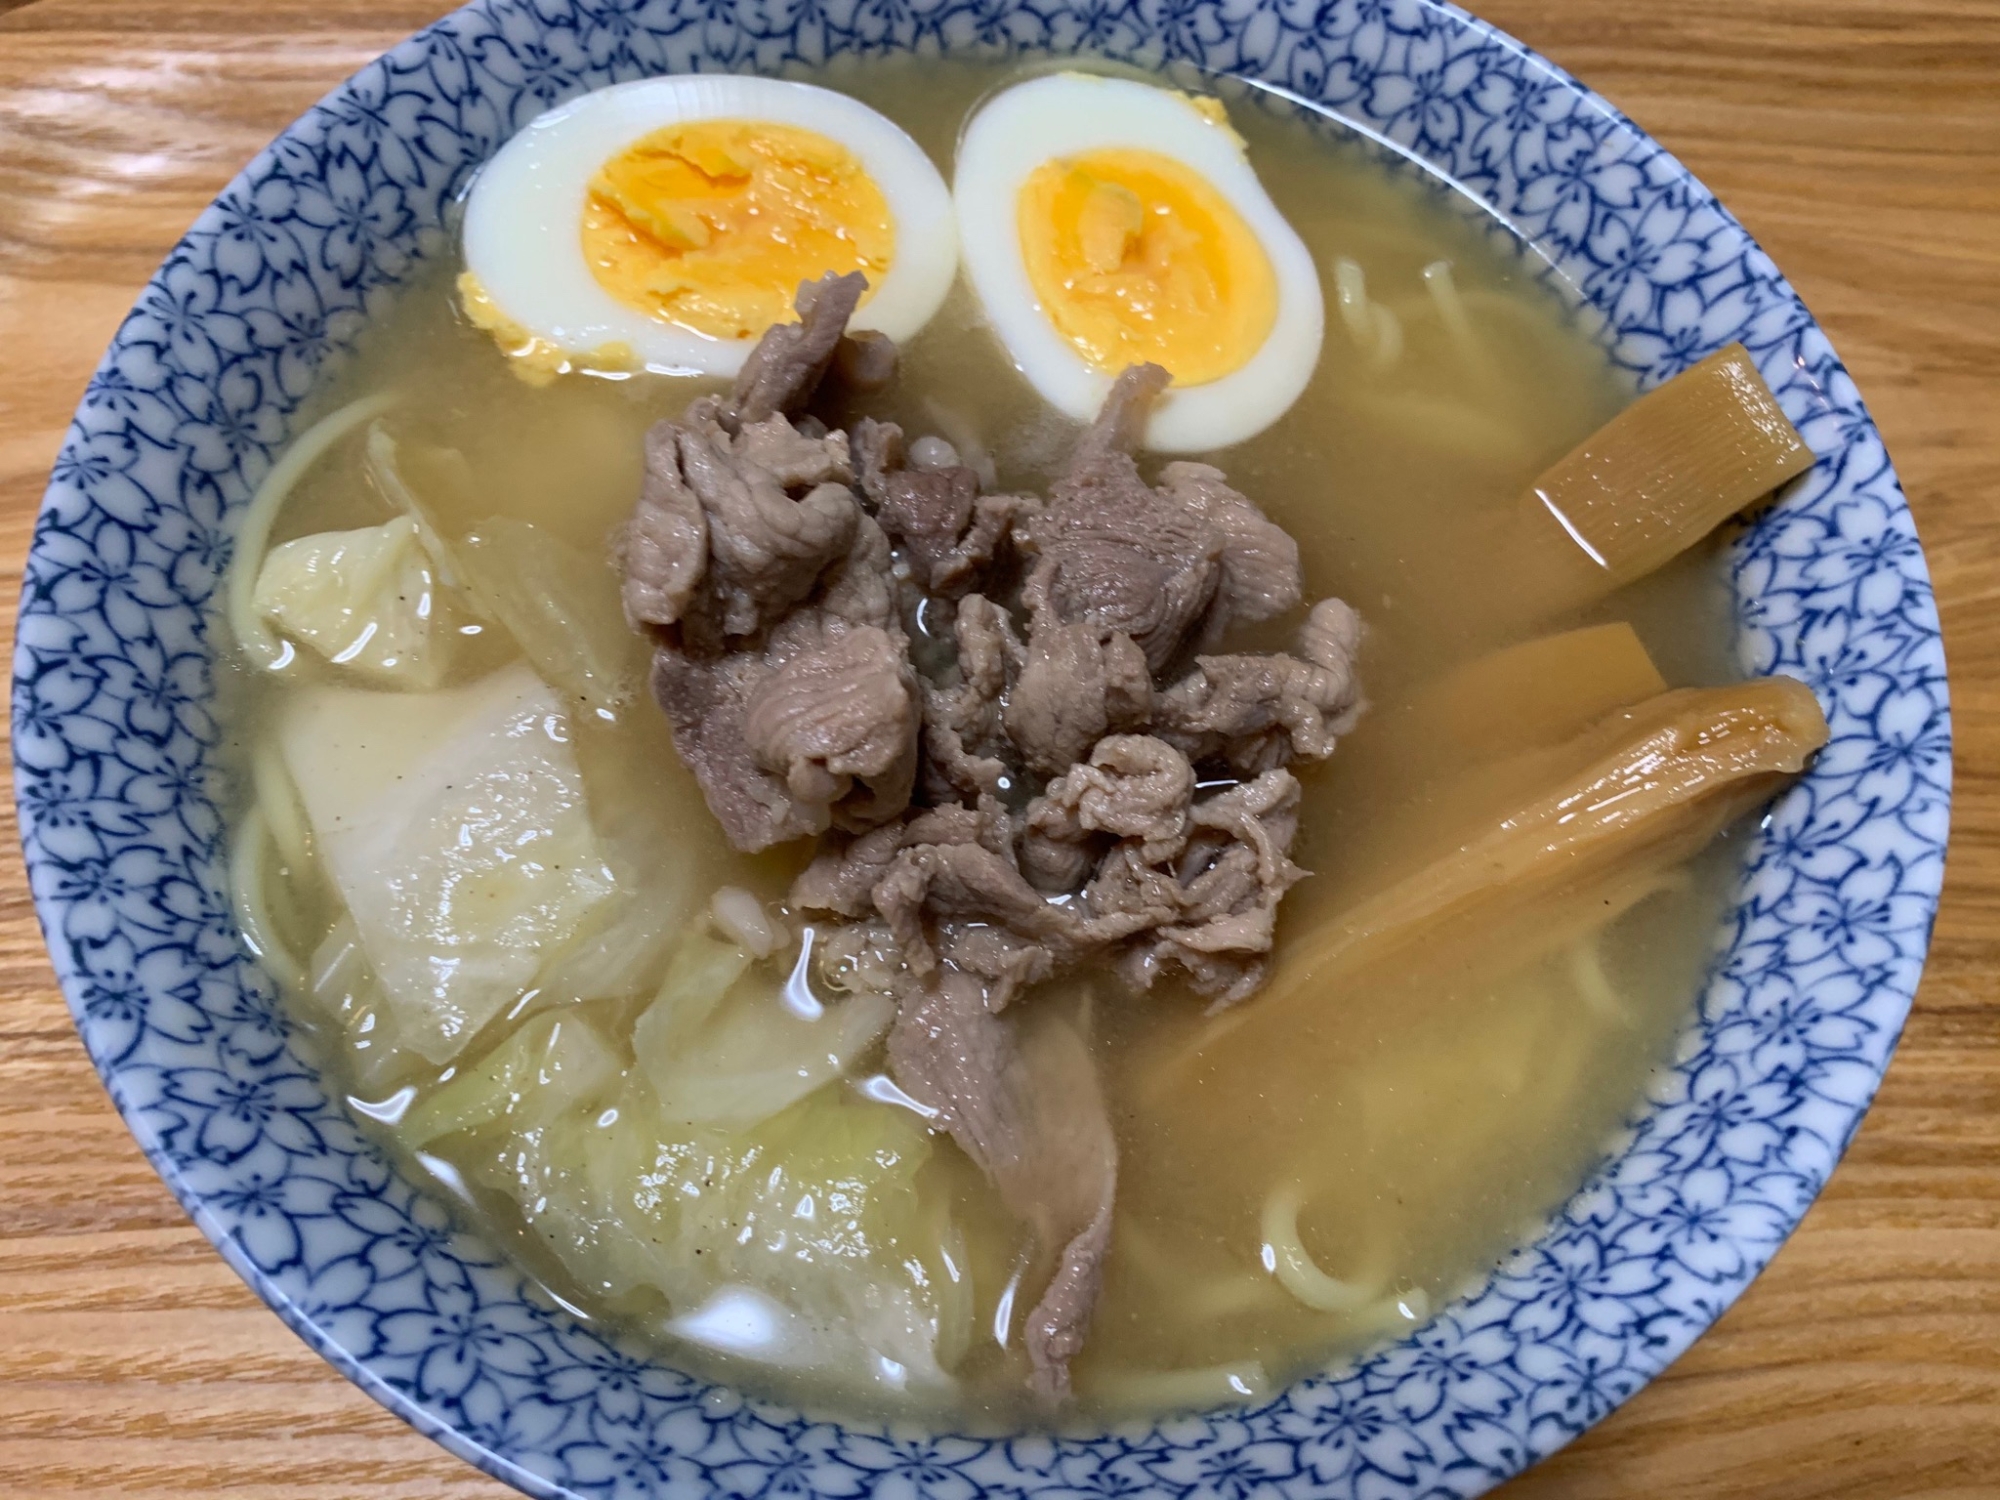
<point>115,737</point>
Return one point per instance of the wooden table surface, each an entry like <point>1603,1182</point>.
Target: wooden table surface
<point>1858,139</point>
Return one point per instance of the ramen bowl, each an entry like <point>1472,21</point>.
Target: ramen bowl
<point>116,745</point>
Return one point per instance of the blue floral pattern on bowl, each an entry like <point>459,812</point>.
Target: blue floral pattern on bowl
<point>115,738</point>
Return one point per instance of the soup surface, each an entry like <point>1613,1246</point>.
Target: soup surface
<point>1417,1126</point>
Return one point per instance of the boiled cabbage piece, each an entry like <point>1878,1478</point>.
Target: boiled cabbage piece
<point>722,1046</point>
<point>347,992</point>
<point>366,600</point>
<point>560,605</point>
<point>455,828</point>
<point>555,1063</point>
<point>657,837</point>
<point>804,1243</point>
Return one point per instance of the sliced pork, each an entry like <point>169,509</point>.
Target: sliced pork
<point>784,371</point>
<point>1030,1113</point>
<point>1256,712</point>
<point>1037,786</point>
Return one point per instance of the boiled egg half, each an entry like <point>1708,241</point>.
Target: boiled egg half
<point>1106,223</point>
<point>665,224</point>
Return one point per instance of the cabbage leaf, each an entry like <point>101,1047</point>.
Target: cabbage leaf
<point>806,1242</point>
<point>701,971</point>
<point>657,836</point>
<point>346,990</point>
<point>560,606</point>
<point>724,1045</point>
<point>554,1064</point>
<point>457,835</point>
<point>366,600</point>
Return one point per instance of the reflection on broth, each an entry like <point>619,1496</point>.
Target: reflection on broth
<point>695,1109</point>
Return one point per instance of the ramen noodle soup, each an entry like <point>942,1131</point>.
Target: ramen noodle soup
<point>1013,746</point>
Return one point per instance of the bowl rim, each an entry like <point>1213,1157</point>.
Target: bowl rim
<point>1037,1464</point>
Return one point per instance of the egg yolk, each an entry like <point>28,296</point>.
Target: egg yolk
<point>1136,257</point>
<point>712,225</point>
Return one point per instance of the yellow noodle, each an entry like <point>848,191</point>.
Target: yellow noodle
<point>1438,281</point>
<point>1431,423</point>
<point>1373,326</point>
<point>1212,1297</point>
<point>1350,288</point>
<point>1183,1390</point>
<point>253,536</point>
<point>1526,324</point>
<point>955,1297</point>
<point>278,800</point>
<point>1586,957</point>
<point>247,895</point>
<point>1388,334</point>
<point>1586,967</point>
<point>1396,1313</point>
<point>1287,1259</point>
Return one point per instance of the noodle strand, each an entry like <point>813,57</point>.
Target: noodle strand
<point>1586,967</point>
<point>253,536</point>
<point>1586,959</point>
<point>1213,1297</point>
<point>278,799</point>
<point>1186,1390</point>
<point>247,895</point>
<point>1388,334</point>
<point>1372,325</point>
<point>1286,1257</point>
<point>1442,286</point>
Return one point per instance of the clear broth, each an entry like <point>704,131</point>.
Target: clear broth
<point>1448,1119</point>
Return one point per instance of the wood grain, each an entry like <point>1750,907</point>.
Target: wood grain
<point>1861,144</point>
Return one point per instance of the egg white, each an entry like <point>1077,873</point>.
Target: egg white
<point>1067,113</point>
<point>524,214</point>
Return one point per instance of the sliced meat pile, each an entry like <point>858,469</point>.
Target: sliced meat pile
<point>1090,778</point>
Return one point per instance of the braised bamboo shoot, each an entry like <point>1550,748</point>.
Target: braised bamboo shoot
<point>1536,693</point>
<point>1458,749</point>
<point>1651,786</point>
<point>1650,483</point>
